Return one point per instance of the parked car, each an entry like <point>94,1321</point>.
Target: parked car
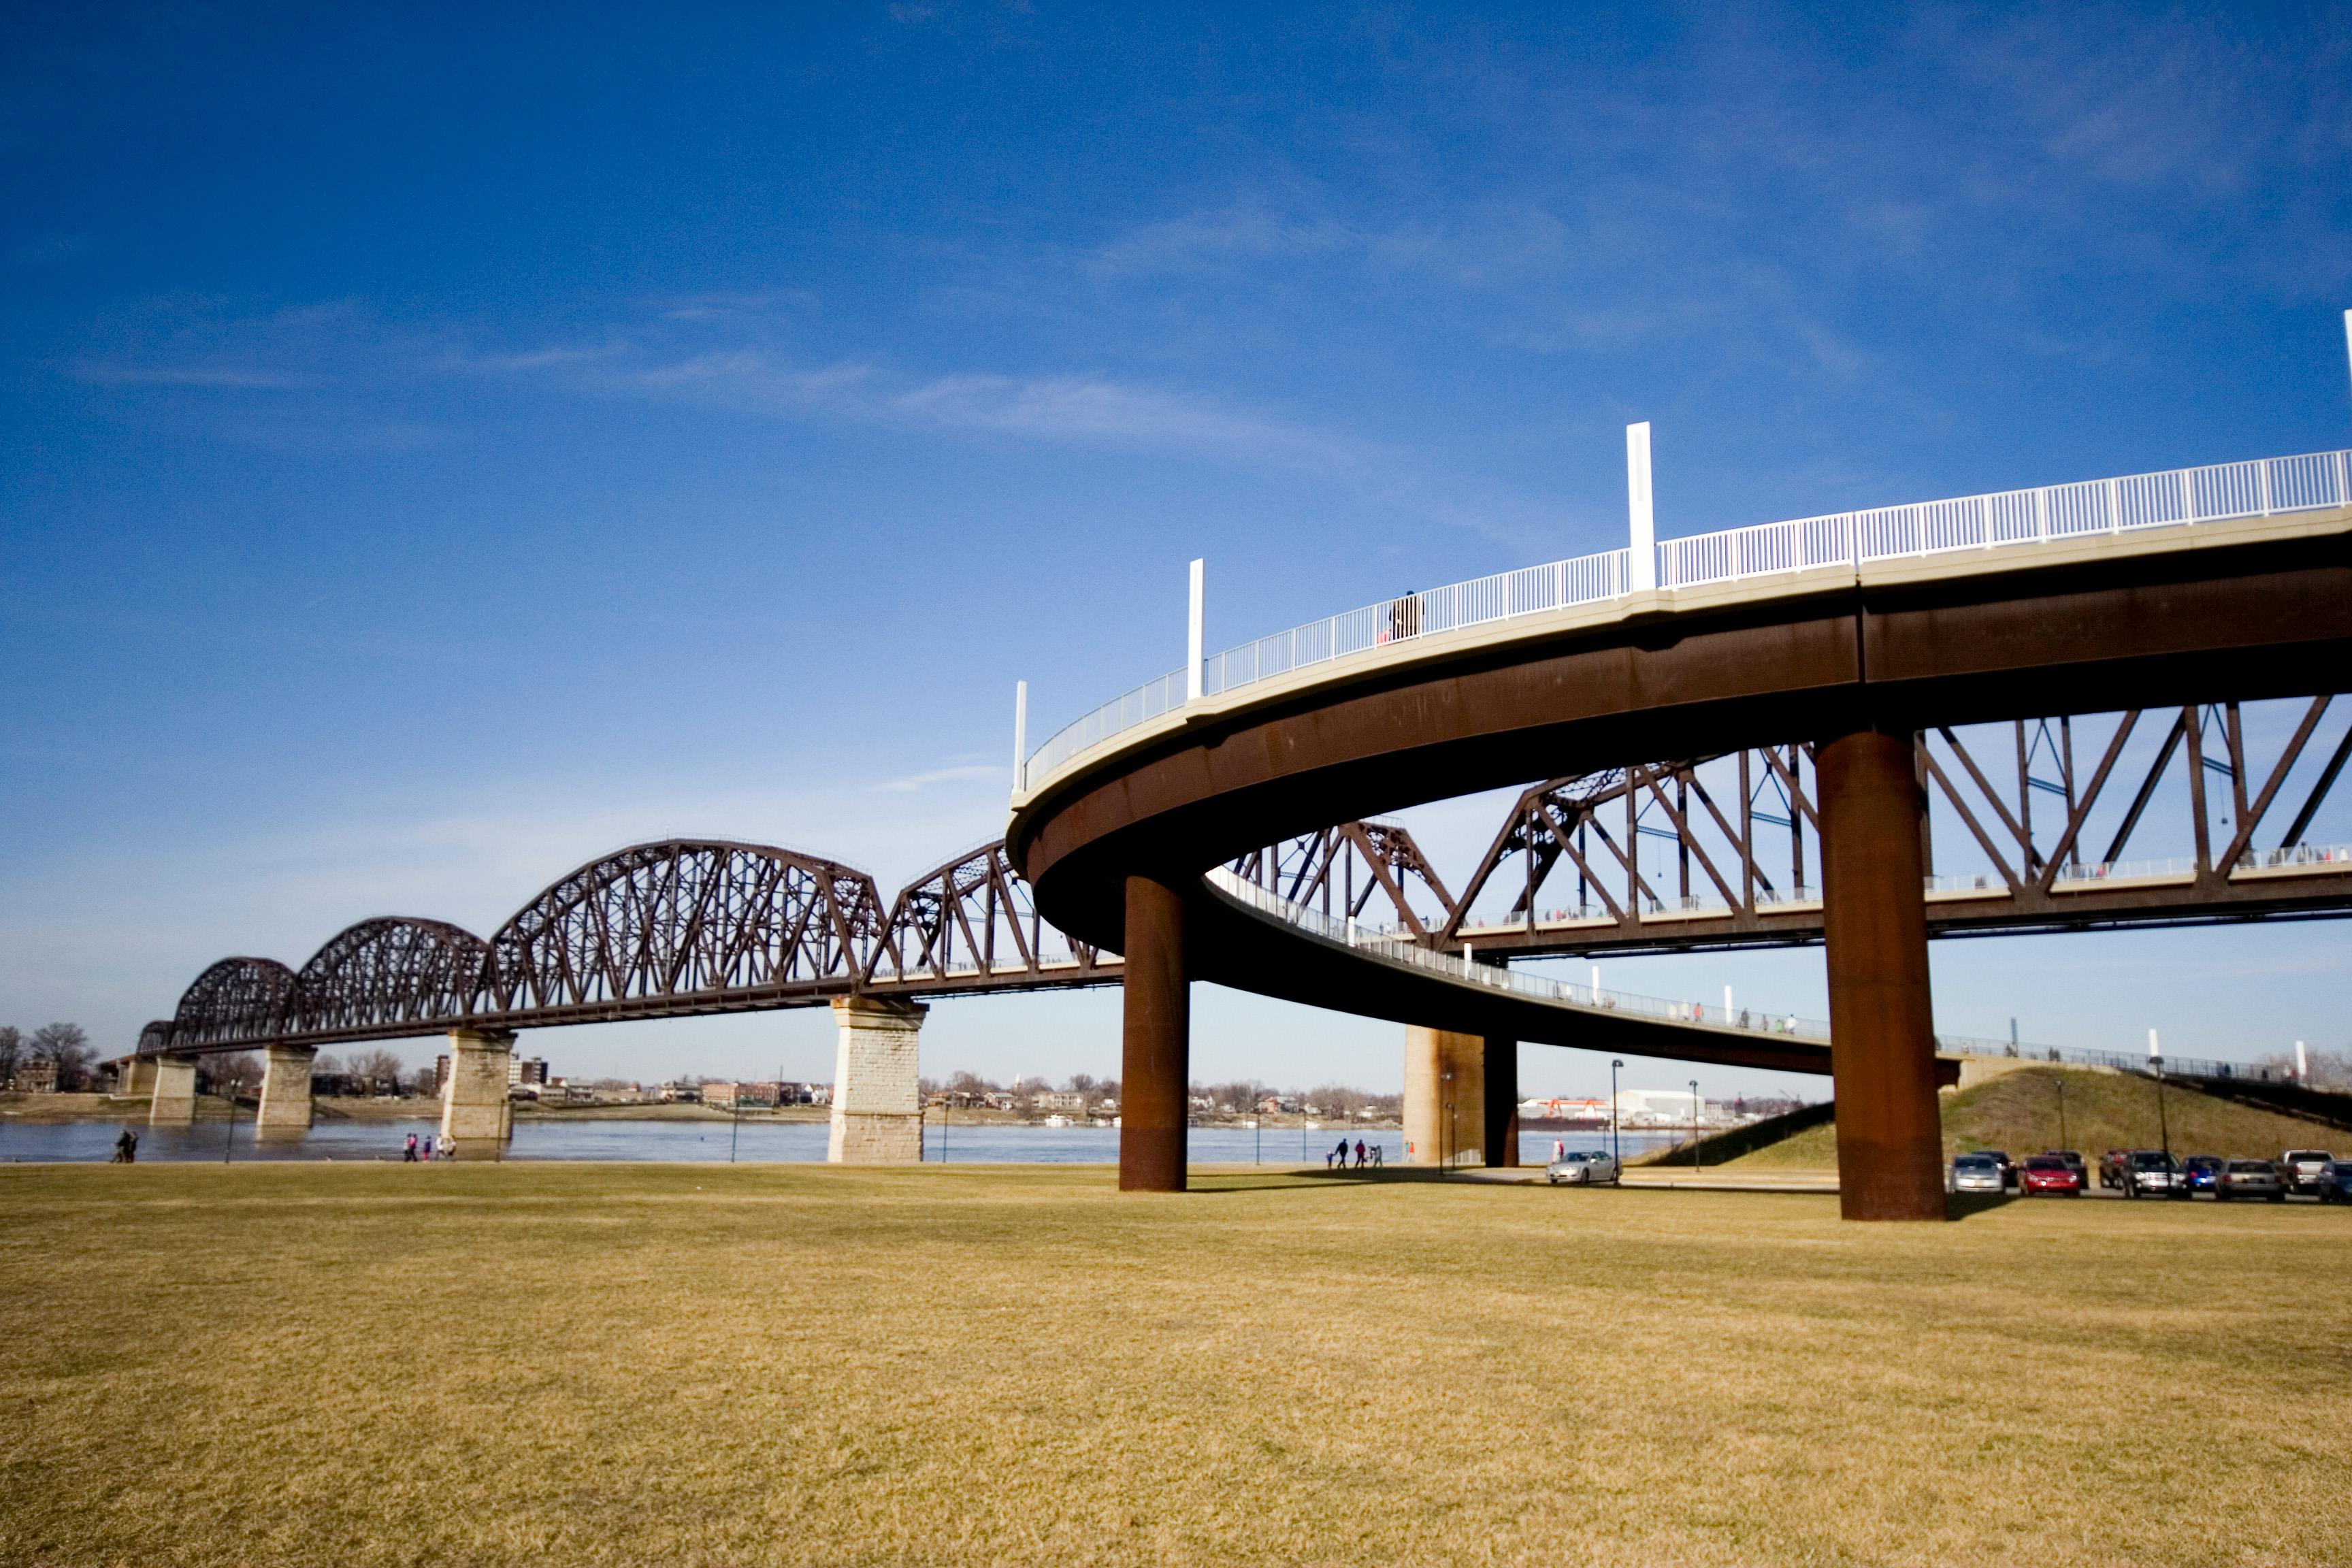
<point>2151,1172</point>
<point>2337,1188</point>
<point>2203,1173</point>
<point>2008,1165</point>
<point>2304,1170</point>
<point>2049,1173</point>
<point>2251,1179</point>
<point>2074,1159</point>
<point>1582,1168</point>
<point>2112,1165</point>
<point>1978,1174</point>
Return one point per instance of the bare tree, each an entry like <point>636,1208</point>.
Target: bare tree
<point>236,1073</point>
<point>378,1071</point>
<point>67,1044</point>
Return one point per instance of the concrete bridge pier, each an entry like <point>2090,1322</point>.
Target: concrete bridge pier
<point>1445,1097</point>
<point>285,1091</point>
<point>877,1102</point>
<point>1156,1054</point>
<point>1882,1015</point>
<point>174,1102</point>
<point>475,1115</point>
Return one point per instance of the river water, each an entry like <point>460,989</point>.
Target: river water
<point>750,1141</point>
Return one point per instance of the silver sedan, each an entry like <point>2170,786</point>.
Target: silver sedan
<point>1583,1168</point>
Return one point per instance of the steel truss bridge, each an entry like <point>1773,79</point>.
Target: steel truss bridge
<point>1995,625</point>
<point>1692,854</point>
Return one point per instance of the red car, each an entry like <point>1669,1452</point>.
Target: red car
<point>2047,1173</point>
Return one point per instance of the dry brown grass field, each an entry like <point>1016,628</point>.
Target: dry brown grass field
<point>799,1364</point>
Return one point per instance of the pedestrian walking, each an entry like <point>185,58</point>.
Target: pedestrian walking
<point>1361,1154</point>
<point>1340,1153</point>
<point>409,1154</point>
<point>1559,1150</point>
<point>446,1149</point>
<point>126,1148</point>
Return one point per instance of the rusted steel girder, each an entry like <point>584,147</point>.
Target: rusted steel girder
<point>1882,1012</point>
<point>1156,1048</point>
<point>1892,651</point>
<point>1743,821</point>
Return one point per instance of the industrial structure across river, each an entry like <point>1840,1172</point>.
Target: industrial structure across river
<point>1778,701</point>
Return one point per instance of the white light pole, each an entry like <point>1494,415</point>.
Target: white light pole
<point>1643,563</point>
<point>1192,639</point>
<point>1020,736</point>
<point>2302,1061</point>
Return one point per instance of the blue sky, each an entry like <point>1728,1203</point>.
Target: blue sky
<point>443,446</point>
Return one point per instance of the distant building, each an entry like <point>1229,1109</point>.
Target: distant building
<point>1064,1099</point>
<point>741,1096</point>
<point>681,1093</point>
<point>1585,1111</point>
<point>526,1070</point>
<point>440,1074</point>
<point>35,1077</point>
<point>1659,1106</point>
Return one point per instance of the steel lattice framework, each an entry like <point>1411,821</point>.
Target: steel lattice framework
<point>237,1000</point>
<point>972,921</point>
<point>1723,850</point>
<point>387,971</point>
<point>1715,851</point>
<point>1343,869</point>
<point>639,933</point>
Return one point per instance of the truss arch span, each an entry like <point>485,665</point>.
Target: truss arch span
<point>653,926</point>
<point>392,972</point>
<point>235,1002</point>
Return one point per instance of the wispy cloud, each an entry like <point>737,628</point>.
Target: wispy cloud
<point>213,377</point>
<point>961,774</point>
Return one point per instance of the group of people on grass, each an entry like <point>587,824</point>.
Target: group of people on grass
<point>428,1147</point>
<point>1366,1154</point>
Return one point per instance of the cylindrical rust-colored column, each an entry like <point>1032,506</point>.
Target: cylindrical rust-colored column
<point>1157,1061</point>
<point>1502,1092</point>
<point>1882,1016</point>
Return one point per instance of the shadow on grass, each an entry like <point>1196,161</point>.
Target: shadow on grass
<point>1236,1182</point>
<point>1967,1205</point>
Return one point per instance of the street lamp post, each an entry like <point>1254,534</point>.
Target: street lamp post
<point>1616,1151</point>
<point>2061,1113</point>
<point>2163,1127</point>
<point>1453,1134</point>
<point>1695,1154</point>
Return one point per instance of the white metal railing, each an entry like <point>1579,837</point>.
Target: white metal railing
<point>1404,950</point>
<point>2261,487</point>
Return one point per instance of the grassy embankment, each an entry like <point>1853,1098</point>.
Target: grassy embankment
<point>800,1364</point>
<point>2019,1112</point>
